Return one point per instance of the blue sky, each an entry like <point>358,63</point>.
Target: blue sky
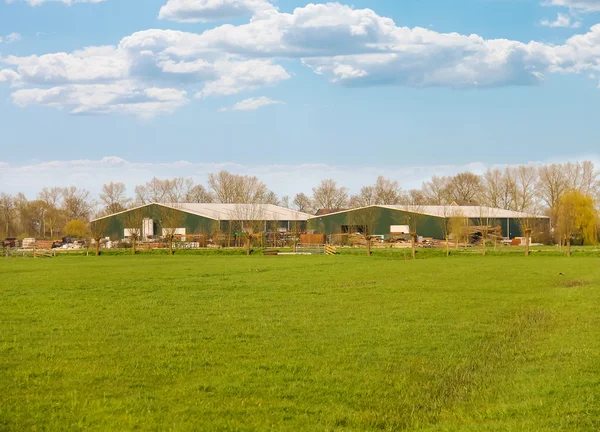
<point>123,90</point>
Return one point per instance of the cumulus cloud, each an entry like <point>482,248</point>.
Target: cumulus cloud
<point>252,104</point>
<point>211,10</point>
<point>119,97</point>
<point>562,20</point>
<point>348,46</point>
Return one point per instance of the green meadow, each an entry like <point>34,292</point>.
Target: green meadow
<point>300,343</point>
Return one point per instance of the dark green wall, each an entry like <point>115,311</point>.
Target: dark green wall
<point>193,224</point>
<point>427,226</point>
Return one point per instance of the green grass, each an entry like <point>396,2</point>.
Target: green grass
<point>344,343</point>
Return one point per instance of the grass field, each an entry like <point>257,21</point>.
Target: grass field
<point>300,343</point>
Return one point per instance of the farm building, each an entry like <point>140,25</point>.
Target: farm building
<point>152,220</point>
<point>430,221</point>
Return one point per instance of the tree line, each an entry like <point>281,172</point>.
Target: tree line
<point>532,189</point>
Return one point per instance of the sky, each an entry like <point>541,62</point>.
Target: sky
<point>293,92</point>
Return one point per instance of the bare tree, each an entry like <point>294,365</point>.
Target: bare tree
<point>231,188</point>
<point>387,192</point>
<point>51,196</point>
<point>8,213</point>
<point>413,218</point>
<point>199,194</point>
<point>446,225</point>
<point>77,203</point>
<point>329,196</point>
<point>383,192</point>
<point>465,188</point>
<point>97,229</point>
<point>132,221</point>
<point>114,197</point>
<point>436,190</point>
<point>552,184</point>
<point>364,221</point>
<point>366,197</point>
<point>250,219</point>
<point>498,189</point>
<point>155,190</point>
<point>303,203</point>
<point>285,202</point>
<point>485,219</point>
<point>525,180</point>
<point>415,197</point>
<point>171,221</point>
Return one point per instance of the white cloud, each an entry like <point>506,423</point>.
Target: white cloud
<point>252,104</point>
<point>562,20</point>
<point>9,76</point>
<point>211,10</point>
<point>13,37</point>
<point>41,2</point>
<point>92,64</point>
<point>351,47</point>
<point>239,76</point>
<point>120,97</point>
<point>579,5</point>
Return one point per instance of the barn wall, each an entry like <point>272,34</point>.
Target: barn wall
<point>427,226</point>
<point>192,223</point>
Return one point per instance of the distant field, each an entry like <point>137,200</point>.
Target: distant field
<point>345,343</point>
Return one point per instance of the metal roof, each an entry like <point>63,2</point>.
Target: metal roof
<point>224,212</point>
<point>268,212</point>
<point>452,211</point>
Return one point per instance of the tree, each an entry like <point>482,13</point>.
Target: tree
<point>366,197</point>
<point>76,228</point>
<point>303,203</point>
<point>329,196</point>
<point>97,228</point>
<point>485,220</point>
<point>171,221</point>
<point>285,202</point>
<point>436,190</point>
<point>132,222</point>
<point>551,185</point>
<point>498,188</point>
<point>199,194</point>
<point>446,225</point>
<point>114,198</point>
<point>364,221</point>
<point>51,196</point>
<point>458,223</point>
<point>464,188</point>
<point>250,221</point>
<point>7,213</point>
<point>231,188</point>
<point>577,215</point>
<point>77,203</point>
<point>524,180</point>
<point>413,217</point>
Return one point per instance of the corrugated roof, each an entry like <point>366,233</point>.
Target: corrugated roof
<point>266,212</point>
<point>450,211</point>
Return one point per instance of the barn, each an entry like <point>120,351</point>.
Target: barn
<point>429,221</point>
<point>151,220</point>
